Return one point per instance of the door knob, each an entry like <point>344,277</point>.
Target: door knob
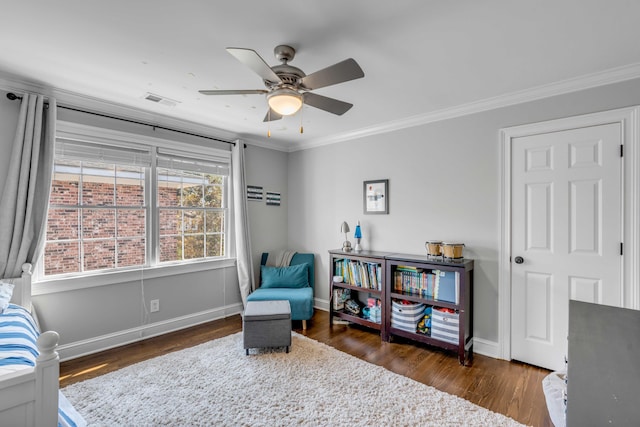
<point>519,260</point>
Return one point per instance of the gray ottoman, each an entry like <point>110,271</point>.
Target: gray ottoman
<point>266,324</point>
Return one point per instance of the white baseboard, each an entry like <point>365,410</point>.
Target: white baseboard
<point>486,348</point>
<point>116,339</point>
<point>321,304</point>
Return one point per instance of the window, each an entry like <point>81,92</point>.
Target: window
<point>191,207</point>
<point>114,207</point>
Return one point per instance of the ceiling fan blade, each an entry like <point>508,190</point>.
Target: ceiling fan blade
<point>334,74</point>
<point>233,92</point>
<point>271,116</point>
<point>327,104</point>
<point>251,59</point>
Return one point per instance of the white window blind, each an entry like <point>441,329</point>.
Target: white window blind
<point>215,164</point>
<point>81,150</point>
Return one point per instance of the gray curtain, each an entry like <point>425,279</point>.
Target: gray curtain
<point>241,221</point>
<point>25,196</point>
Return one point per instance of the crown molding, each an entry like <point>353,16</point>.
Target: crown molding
<point>271,144</point>
<point>588,81</point>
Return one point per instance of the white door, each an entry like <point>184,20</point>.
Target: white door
<point>566,234</point>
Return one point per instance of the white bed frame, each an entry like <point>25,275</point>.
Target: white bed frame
<point>29,397</point>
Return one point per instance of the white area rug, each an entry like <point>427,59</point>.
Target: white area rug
<point>215,384</point>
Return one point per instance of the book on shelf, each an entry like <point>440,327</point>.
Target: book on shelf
<point>359,273</point>
<point>414,281</point>
<point>447,286</point>
<point>407,268</point>
<point>338,268</point>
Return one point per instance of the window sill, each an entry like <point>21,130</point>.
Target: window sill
<point>52,286</point>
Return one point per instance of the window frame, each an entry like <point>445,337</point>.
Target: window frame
<point>81,208</point>
<point>223,208</point>
<point>152,267</point>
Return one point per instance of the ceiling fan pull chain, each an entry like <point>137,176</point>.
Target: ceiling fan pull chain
<point>301,114</point>
<point>269,124</point>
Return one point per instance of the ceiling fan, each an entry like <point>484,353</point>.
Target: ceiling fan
<point>288,87</point>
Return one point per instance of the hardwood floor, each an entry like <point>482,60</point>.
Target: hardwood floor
<point>512,389</point>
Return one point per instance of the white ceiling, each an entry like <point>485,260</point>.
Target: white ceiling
<point>423,59</point>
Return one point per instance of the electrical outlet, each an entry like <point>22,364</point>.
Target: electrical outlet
<point>154,305</point>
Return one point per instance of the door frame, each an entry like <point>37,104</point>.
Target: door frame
<point>629,119</point>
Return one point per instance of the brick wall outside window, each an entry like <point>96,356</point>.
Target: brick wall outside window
<point>103,228</point>
<point>113,234</point>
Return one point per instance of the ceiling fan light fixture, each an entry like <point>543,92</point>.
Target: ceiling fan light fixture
<point>285,101</point>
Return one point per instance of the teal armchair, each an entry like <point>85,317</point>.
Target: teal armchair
<point>298,292</point>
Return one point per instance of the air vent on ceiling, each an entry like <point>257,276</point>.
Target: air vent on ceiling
<point>160,100</point>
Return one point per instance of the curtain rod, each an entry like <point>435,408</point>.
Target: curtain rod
<point>13,96</point>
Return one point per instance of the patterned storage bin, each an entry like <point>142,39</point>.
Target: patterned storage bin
<point>406,316</point>
<point>445,326</point>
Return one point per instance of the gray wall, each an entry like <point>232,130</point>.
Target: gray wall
<point>444,181</point>
<point>268,224</point>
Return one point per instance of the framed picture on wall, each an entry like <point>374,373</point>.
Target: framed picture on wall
<point>375,196</point>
